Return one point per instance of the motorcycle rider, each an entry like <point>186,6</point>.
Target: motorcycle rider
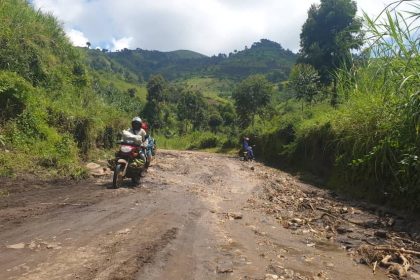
<point>136,132</point>
<point>247,148</point>
<point>139,136</point>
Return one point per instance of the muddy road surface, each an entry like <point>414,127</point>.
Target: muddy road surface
<point>194,216</point>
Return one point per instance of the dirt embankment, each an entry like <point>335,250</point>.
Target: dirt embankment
<point>198,216</point>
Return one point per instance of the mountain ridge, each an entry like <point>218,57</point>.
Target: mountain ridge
<point>263,57</point>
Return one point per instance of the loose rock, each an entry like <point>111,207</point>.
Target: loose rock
<point>381,234</point>
<point>236,215</point>
<point>16,246</point>
<point>297,221</point>
<point>225,267</point>
<point>92,166</point>
<point>343,230</point>
<point>123,231</point>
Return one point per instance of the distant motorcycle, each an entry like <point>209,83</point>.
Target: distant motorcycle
<point>130,162</point>
<point>244,155</point>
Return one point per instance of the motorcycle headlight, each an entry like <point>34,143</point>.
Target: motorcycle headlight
<point>126,149</point>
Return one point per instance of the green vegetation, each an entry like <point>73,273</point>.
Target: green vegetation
<point>264,57</point>
<point>352,119</point>
<point>328,36</point>
<point>368,145</point>
<point>54,110</point>
<point>251,96</point>
<point>214,89</point>
<point>179,109</point>
<point>304,82</point>
<point>194,141</point>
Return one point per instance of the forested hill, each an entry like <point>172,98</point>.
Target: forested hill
<point>264,57</point>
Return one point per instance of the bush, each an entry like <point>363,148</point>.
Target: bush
<point>208,142</point>
<point>203,140</point>
<point>15,95</point>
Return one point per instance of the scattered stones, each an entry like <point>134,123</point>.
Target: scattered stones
<point>123,231</point>
<point>225,266</point>
<point>32,245</point>
<point>320,276</point>
<point>343,230</point>
<point>271,277</point>
<point>54,246</point>
<point>96,170</point>
<point>329,264</point>
<point>297,221</point>
<point>344,210</point>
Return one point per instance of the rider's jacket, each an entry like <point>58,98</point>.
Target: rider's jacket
<point>138,136</point>
<point>245,144</point>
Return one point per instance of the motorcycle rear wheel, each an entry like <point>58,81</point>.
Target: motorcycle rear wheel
<point>117,177</point>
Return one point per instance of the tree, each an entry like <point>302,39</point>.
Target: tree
<point>156,92</point>
<point>304,82</point>
<point>192,108</point>
<point>227,111</point>
<point>329,34</point>
<point>252,95</point>
<point>215,120</point>
<point>88,44</point>
<point>156,88</point>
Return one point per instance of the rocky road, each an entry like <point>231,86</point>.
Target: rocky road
<point>197,216</point>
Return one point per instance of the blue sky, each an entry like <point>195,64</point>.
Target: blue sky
<point>206,26</point>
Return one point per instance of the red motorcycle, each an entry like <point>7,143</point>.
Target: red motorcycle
<point>130,162</point>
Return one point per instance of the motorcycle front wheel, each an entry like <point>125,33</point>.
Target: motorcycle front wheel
<point>117,177</point>
<point>135,180</point>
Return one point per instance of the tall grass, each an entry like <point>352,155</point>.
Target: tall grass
<point>383,107</point>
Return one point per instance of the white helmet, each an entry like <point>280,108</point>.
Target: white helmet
<point>136,119</point>
<point>136,123</point>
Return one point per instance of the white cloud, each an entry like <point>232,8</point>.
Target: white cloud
<point>122,43</point>
<point>68,11</point>
<point>77,37</point>
<point>207,26</point>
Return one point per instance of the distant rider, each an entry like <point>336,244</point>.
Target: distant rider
<point>247,148</point>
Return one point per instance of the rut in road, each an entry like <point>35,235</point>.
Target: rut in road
<point>195,216</point>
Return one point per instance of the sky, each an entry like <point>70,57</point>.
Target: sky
<point>206,26</point>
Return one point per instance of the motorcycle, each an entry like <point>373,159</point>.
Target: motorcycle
<point>130,162</point>
<point>244,155</point>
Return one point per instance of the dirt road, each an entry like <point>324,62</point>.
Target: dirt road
<point>195,216</point>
